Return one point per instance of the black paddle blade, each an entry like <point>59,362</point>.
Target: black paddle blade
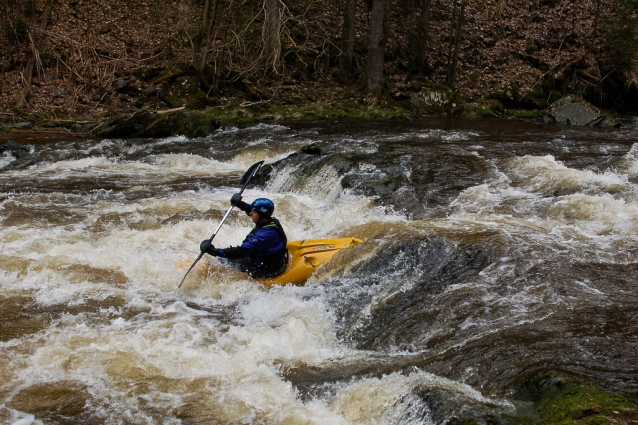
<point>189,270</point>
<point>251,172</point>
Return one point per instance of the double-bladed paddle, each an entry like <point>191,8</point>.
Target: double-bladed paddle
<point>248,175</point>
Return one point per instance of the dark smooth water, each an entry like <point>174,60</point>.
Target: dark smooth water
<point>496,253</point>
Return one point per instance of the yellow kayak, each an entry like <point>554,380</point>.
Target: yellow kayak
<point>304,257</point>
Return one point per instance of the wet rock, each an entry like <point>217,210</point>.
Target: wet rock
<point>150,124</point>
<point>16,149</point>
<point>125,126</point>
<point>559,398</point>
<point>396,180</point>
<point>386,180</point>
<point>411,274</point>
<point>576,111</point>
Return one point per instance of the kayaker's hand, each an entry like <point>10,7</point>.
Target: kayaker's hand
<point>236,199</point>
<point>207,247</point>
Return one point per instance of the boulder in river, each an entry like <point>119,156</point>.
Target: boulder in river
<point>576,111</point>
<point>16,149</point>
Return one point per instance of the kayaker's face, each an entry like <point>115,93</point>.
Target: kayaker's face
<point>255,216</point>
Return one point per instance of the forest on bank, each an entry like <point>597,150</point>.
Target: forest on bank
<point>85,58</point>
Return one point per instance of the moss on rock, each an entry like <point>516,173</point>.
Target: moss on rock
<point>586,405</point>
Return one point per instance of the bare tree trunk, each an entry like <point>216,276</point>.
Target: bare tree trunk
<point>455,42</point>
<point>451,41</point>
<point>376,46</point>
<point>420,36</point>
<point>202,42</point>
<point>28,72</point>
<point>347,40</point>
<point>209,31</point>
<point>595,25</point>
<point>271,34</point>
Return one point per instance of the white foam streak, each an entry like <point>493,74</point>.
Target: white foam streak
<point>629,162</point>
<point>161,168</point>
<point>592,205</point>
<point>380,400</point>
<point>546,175</point>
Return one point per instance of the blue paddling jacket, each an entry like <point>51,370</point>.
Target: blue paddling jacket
<point>263,252</point>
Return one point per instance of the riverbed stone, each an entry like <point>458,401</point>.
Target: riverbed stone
<point>576,111</point>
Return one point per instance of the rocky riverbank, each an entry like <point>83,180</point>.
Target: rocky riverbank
<point>198,123</point>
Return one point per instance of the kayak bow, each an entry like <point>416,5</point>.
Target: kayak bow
<point>305,256</point>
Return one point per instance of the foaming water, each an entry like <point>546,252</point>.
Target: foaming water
<point>6,159</point>
<point>481,243</point>
<point>546,176</point>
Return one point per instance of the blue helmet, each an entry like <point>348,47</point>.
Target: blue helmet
<point>263,206</point>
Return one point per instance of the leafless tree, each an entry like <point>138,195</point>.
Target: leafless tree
<point>272,34</point>
<point>456,28</point>
<point>420,34</point>
<point>348,36</point>
<point>379,26</point>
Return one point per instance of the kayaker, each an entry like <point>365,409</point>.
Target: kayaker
<point>263,253</point>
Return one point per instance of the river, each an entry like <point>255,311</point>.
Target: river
<point>496,253</point>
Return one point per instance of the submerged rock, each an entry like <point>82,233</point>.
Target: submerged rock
<point>576,111</point>
<point>412,272</point>
<point>412,184</point>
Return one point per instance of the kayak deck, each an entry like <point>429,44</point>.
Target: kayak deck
<point>305,256</point>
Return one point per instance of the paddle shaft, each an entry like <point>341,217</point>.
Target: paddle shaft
<point>246,179</point>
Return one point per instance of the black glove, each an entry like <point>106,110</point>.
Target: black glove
<point>207,247</point>
<point>236,199</point>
